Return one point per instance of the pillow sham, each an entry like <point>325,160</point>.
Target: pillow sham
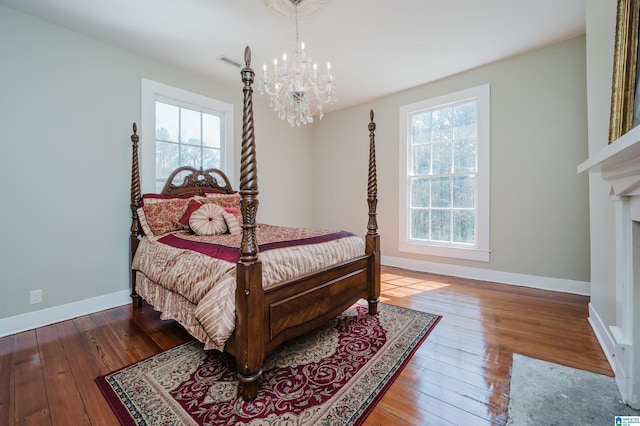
<point>156,198</point>
<point>223,200</point>
<point>143,223</point>
<point>162,216</point>
<point>208,220</point>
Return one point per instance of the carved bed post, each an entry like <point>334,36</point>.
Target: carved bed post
<point>250,333</point>
<point>136,198</point>
<point>372,239</point>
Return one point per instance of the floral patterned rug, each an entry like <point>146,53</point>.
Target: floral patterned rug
<point>334,375</point>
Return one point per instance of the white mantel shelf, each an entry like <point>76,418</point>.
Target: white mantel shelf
<point>619,163</point>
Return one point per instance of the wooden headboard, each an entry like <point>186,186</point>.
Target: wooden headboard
<point>194,181</point>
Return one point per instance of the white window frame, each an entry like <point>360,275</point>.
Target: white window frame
<point>480,251</point>
<point>153,91</point>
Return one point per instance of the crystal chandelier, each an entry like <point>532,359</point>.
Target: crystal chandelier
<point>297,89</point>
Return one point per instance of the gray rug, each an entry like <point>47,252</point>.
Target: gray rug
<point>543,393</point>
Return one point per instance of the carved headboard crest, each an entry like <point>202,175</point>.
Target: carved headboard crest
<point>195,178</point>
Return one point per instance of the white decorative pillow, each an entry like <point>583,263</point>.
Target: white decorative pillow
<point>208,220</point>
<point>232,223</point>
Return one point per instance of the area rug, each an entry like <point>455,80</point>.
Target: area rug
<point>544,393</point>
<point>334,375</point>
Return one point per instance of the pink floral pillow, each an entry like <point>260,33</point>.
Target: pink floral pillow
<point>223,200</point>
<point>162,216</point>
<point>157,198</point>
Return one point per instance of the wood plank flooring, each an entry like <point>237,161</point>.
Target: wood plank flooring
<point>459,376</point>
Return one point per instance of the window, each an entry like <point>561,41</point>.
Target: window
<point>444,175</point>
<point>181,128</point>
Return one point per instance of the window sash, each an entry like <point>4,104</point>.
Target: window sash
<point>196,146</point>
<point>444,175</point>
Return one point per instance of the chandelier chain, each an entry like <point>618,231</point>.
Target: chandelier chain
<point>297,38</point>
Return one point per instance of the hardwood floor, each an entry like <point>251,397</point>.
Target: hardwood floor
<point>460,375</point>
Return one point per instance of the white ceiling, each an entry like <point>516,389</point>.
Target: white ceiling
<point>376,47</point>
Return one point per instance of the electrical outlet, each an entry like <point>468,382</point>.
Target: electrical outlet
<point>36,296</point>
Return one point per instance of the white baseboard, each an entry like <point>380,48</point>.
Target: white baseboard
<point>605,338</point>
<point>31,320</point>
<point>544,283</point>
<point>607,342</point>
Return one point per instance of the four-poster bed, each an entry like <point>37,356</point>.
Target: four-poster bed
<point>240,300</point>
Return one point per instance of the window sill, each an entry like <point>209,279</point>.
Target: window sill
<point>451,252</point>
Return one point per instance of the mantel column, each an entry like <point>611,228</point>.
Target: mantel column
<point>626,333</point>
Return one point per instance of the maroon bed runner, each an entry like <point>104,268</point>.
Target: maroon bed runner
<point>232,254</point>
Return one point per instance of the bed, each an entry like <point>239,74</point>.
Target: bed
<point>250,288</point>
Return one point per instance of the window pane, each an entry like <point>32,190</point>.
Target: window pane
<point>441,158</point>
<point>190,156</point>
<point>420,224</point>
<point>211,130</point>
<point>420,192</point>
<point>464,224</point>
<point>210,158</point>
<point>441,225</point>
<point>441,125</point>
<point>167,122</point>
<point>441,192</point>
<point>464,191</point>
<point>190,130</point>
<point>167,159</point>
<point>421,128</point>
<point>464,118</point>
<point>421,159</point>
<point>179,178</point>
<point>465,156</point>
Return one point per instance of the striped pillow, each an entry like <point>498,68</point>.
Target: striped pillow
<point>232,223</point>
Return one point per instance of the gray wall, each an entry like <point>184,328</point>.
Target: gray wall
<point>539,205</point>
<point>66,107</point>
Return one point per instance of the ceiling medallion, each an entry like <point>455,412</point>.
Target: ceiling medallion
<point>287,8</point>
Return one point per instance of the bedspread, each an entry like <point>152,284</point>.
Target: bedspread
<point>202,269</point>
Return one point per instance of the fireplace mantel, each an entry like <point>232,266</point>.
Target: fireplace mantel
<point>619,166</point>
